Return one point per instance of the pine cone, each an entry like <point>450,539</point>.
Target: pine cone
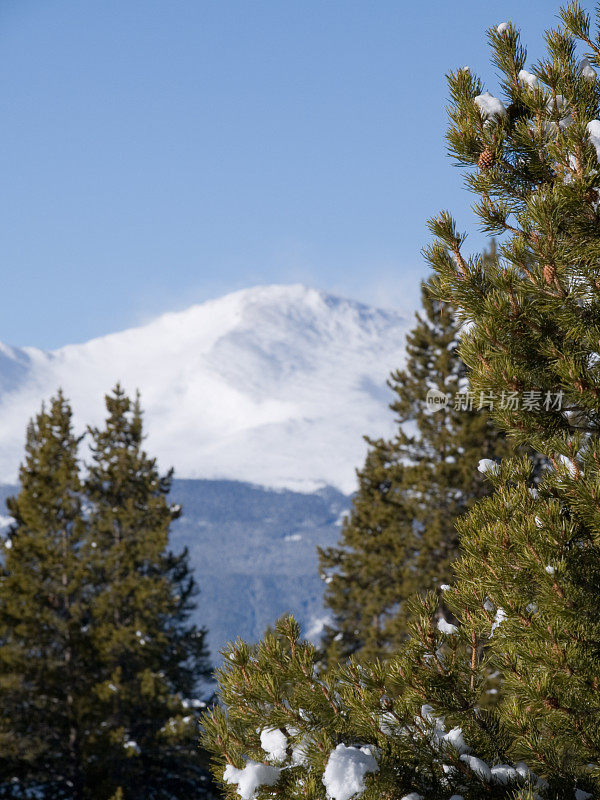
<point>486,159</point>
<point>549,274</point>
<point>516,111</point>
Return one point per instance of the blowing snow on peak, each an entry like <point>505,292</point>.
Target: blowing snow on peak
<point>272,385</point>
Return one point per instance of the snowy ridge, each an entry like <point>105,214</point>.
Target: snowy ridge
<point>272,385</point>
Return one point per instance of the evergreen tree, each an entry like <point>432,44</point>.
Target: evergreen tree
<point>99,663</point>
<point>535,333</point>
<point>400,537</point>
<point>374,730</point>
<point>149,657</point>
<point>45,681</point>
<point>525,596</point>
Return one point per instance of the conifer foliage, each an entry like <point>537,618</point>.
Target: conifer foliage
<point>148,656</point>
<point>525,597</point>
<point>44,683</point>
<point>400,537</point>
<point>99,663</point>
<point>536,328</point>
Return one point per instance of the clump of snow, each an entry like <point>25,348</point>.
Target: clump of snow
<point>300,752</point>
<point>569,464</point>
<point>559,105</point>
<point>581,795</point>
<point>193,702</point>
<point>132,746</point>
<point>524,771</point>
<point>317,625</point>
<point>345,771</point>
<point>342,518</point>
<point>435,725</point>
<point>487,465</point>
<point>479,767</point>
<point>446,627</point>
<point>8,543</point>
<point>503,27</point>
<point>529,78</point>
<point>490,107</point>
<point>274,743</point>
<point>413,796</point>
<point>456,739</point>
<point>388,723</point>
<point>550,570</point>
<point>457,797</point>
<point>444,587</point>
<point>141,638</point>
<point>251,777</point>
<point>587,70</point>
<point>498,620</point>
<point>504,773</point>
<point>593,131</point>
<point>539,522</point>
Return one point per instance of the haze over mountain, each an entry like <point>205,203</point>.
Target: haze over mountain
<point>272,385</point>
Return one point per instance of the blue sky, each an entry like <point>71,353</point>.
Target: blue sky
<point>156,153</point>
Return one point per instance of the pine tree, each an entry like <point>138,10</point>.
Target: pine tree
<point>371,730</point>
<point>149,657</point>
<point>400,537</point>
<point>525,596</point>
<point>99,663</point>
<point>536,329</point>
<point>44,608</point>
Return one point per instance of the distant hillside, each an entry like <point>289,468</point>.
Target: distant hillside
<point>253,552</point>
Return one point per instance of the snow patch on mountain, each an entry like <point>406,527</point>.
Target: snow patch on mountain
<point>272,385</point>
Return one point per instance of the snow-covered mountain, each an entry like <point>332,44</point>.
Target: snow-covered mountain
<point>273,385</point>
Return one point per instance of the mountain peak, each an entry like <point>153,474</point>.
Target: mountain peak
<point>274,385</point>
